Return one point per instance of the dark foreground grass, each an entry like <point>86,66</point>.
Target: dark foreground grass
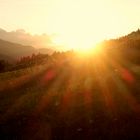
<point>82,100</point>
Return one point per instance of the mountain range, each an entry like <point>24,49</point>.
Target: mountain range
<point>128,44</point>
<point>11,51</point>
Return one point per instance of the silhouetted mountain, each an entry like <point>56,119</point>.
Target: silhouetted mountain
<point>9,50</point>
<point>15,50</point>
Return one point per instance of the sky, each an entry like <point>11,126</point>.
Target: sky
<point>72,22</point>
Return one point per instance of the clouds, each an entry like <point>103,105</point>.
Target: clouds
<point>22,37</point>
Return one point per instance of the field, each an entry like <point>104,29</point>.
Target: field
<point>72,98</point>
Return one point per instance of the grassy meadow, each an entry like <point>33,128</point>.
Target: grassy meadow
<point>71,97</point>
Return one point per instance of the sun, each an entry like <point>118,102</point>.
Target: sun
<point>77,42</point>
<point>77,25</point>
<point>80,25</point>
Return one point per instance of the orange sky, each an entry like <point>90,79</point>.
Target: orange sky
<point>73,23</point>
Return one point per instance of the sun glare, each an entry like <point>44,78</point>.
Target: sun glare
<point>78,43</point>
<point>79,25</point>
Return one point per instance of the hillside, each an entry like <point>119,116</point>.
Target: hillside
<point>68,97</point>
<point>127,47</point>
<point>131,40</point>
<point>15,50</point>
<point>10,50</point>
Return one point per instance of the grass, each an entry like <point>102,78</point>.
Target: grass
<point>92,99</point>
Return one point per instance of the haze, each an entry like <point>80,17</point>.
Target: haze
<point>72,23</point>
